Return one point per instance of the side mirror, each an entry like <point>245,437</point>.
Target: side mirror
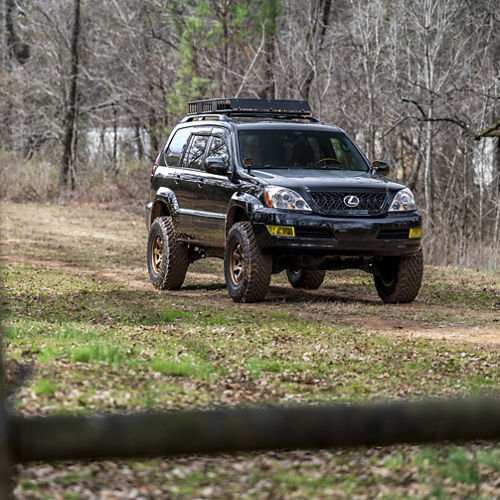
<point>380,167</point>
<point>216,165</point>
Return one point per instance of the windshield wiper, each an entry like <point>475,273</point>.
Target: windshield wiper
<point>330,167</point>
<point>267,165</point>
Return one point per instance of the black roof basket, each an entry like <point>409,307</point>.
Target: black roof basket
<point>239,106</point>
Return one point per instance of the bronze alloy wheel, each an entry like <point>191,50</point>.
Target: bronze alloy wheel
<point>167,257</point>
<point>157,254</point>
<point>246,268</point>
<point>237,264</point>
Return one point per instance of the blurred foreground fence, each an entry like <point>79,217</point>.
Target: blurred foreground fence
<point>26,439</point>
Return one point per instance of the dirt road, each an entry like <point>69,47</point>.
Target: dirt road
<point>456,305</point>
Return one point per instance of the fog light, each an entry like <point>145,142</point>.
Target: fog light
<point>287,231</point>
<point>415,232</point>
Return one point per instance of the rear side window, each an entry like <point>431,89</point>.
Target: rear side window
<point>219,148</point>
<point>194,155</point>
<point>176,147</point>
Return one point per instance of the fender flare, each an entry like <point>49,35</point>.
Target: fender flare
<point>164,203</point>
<point>240,203</point>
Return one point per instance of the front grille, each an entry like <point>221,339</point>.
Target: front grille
<point>332,202</point>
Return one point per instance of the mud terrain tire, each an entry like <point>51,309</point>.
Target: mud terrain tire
<point>246,268</point>
<point>305,278</point>
<point>168,258</point>
<point>398,279</point>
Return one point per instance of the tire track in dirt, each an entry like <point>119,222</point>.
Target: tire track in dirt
<point>480,327</point>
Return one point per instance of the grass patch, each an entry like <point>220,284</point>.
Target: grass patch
<point>101,341</point>
<point>174,368</point>
<point>45,387</point>
<point>96,352</point>
<point>257,366</point>
<point>460,468</point>
<point>187,367</point>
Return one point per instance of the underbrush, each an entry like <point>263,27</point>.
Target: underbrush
<point>23,180</point>
<point>37,180</point>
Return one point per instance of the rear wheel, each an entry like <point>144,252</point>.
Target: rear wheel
<point>398,279</point>
<point>168,258</point>
<point>305,278</point>
<point>246,268</point>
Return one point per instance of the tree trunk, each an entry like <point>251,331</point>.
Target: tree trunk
<point>5,458</point>
<point>269,89</point>
<point>496,225</point>
<point>317,39</point>
<point>138,140</point>
<point>427,168</point>
<point>429,80</point>
<point>13,46</point>
<point>6,20</point>
<point>69,120</point>
<point>115,140</point>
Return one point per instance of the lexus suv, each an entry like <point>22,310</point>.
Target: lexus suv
<point>267,187</point>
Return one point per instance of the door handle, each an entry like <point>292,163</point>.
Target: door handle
<point>200,184</point>
<point>177,179</point>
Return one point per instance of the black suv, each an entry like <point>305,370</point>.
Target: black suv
<point>268,187</point>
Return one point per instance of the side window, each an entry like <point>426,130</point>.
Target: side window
<point>194,155</point>
<point>219,148</point>
<point>176,147</point>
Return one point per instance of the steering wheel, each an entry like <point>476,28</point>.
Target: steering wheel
<point>323,160</point>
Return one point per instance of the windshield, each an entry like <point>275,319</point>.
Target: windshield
<point>282,148</point>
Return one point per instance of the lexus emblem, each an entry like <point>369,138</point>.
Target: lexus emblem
<point>351,201</point>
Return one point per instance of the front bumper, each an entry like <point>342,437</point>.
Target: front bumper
<point>387,235</point>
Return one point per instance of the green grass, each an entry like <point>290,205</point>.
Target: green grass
<point>96,352</point>
<point>98,340</point>
<point>185,368</point>
<point>45,387</point>
<point>257,366</point>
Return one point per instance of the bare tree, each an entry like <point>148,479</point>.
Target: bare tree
<point>69,121</point>
<point>413,81</point>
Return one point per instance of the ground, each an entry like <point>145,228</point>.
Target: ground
<point>86,332</point>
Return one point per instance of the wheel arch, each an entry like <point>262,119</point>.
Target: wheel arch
<point>236,213</point>
<point>164,204</point>
<point>240,206</point>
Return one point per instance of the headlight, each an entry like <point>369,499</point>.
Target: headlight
<point>404,200</point>
<point>278,197</point>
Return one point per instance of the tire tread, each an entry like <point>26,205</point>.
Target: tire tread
<point>175,262</point>
<point>408,280</point>
<point>258,266</point>
<point>308,279</point>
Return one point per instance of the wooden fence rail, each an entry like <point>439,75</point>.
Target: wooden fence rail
<point>233,430</point>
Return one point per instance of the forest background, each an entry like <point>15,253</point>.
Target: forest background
<point>89,91</point>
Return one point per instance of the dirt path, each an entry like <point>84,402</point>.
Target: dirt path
<point>408,320</point>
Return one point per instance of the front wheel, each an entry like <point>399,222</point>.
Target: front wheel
<point>246,268</point>
<point>305,278</point>
<point>168,258</point>
<point>398,279</point>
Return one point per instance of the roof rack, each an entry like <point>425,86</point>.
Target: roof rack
<point>237,106</point>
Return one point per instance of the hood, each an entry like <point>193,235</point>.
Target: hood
<point>308,179</point>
